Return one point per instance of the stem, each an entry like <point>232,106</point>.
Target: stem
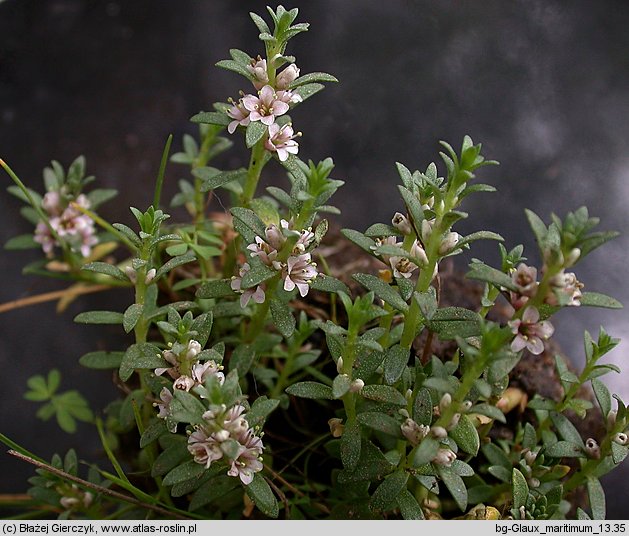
<point>256,164</point>
<point>349,355</point>
<point>95,487</point>
<point>201,161</point>
<point>259,317</point>
<point>49,296</point>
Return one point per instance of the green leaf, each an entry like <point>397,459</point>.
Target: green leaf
<point>387,492</point>
<point>566,429</point>
<point>482,272</point>
<point>381,422</point>
<point>210,491</point>
<point>255,132</point>
<point>153,431</point>
<point>520,489</point>
<point>242,359</point>
<point>452,322</point>
<point>100,195</point>
<point>409,507</point>
<point>489,411</point>
<point>455,486</point>
<point>312,77</point>
<point>340,385</point>
<point>107,269</point>
<point>131,316</point>
<point>538,227</point>
<point>235,67</point>
<point>211,118</point>
<point>595,299</point>
<point>102,360</point>
<point>185,471</point>
<point>383,393</point>
<point>596,495</point>
<point>308,90</point>
<point>173,263</point>
<point>362,241</point>
<point>250,221</point>
<point>282,317</point>
<point>325,283</point>
<point>171,457</point>
<point>99,317</point>
<point>260,410</point>
<point>495,455</point>
<point>381,229</point>
<point>422,407</point>
<point>185,407</point>
<point>382,290</point>
<point>619,452</point>
<point>425,452</point>
<point>478,235</point>
<point>603,396</point>
<point>466,436</point>
<point>414,208</point>
<point>395,361</point>
<point>215,288</point>
<point>564,449</point>
<point>216,180</point>
<point>25,241</point>
<point>140,356</point>
<point>311,390</point>
<point>260,493</point>
<point>259,273</point>
<point>351,445</point>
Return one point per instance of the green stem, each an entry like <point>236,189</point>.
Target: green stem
<point>349,356</point>
<point>259,318</point>
<point>256,164</point>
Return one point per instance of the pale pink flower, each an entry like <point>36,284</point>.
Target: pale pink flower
<point>202,371</point>
<point>289,97</point>
<point>444,457</point>
<point>413,431</point>
<point>248,461</point>
<point>170,358</point>
<point>299,272</point>
<point>287,76</point>
<point>164,408</point>
<point>44,237</point>
<point>401,223</point>
<point>257,68</point>
<point>204,448</point>
<point>240,116</point>
<point>257,293</point>
<point>52,203</point>
<point>529,332</point>
<point>569,286</point>
<point>265,107</point>
<point>184,383</point>
<point>266,248</point>
<point>281,140</point>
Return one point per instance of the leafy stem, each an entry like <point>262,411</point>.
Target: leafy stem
<point>256,163</point>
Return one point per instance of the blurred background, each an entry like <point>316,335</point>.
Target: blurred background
<point>543,84</point>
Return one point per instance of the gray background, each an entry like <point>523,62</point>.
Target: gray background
<point>542,84</point>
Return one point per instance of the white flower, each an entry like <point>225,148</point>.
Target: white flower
<point>240,116</point>
<point>257,293</point>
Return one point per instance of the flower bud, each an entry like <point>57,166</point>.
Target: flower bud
<point>466,406</point>
<point>257,68</point>
<point>448,243</point>
<point>339,365</point>
<point>530,457</point>
<point>572,257</point>
<point>533,482</point>
<point>413,431</point>
<point>444,457</point>
<point>439,432</point>
<point>621,438</point>
<point>592,449</point>
<point>419,253</point>
<point>194,349</point>
<point>221,435</point>
<point>356,386</point>
<point>150,275</point>
<point>611,418</point>
<point>408,394</point>
<point>287,76</point>
<point>445,402</point>
<point>401,223</point>
<point>131,274</point>
<point>426,230</point>
<point>455,420</point>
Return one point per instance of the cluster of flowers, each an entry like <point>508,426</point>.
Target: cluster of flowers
<point>69,224</point>
<point>226,435</point>
<point>415,432</point>
<point>403,266</point>
<point>564,289</point>
<point>186,371</point>
<point>297,272</point>
<point>270,103</point>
